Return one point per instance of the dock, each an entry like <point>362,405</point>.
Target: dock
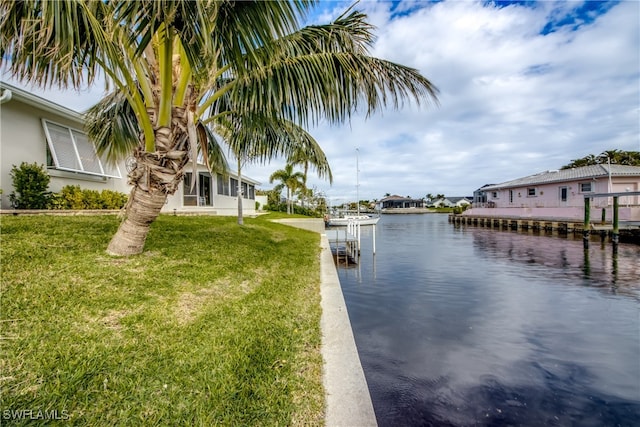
<point>629,228</point>
<point>346,241</point>
<point>556,226</point>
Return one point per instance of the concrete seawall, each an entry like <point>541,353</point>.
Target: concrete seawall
<point>348,402</point>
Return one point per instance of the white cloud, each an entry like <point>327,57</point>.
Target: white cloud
<point>513,101</point>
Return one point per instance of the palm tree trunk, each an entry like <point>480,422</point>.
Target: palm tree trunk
<point>142,209</point>
<point>239,191</point>
<point>155,176</point>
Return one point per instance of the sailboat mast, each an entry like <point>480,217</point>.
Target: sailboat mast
<point>357,183</point>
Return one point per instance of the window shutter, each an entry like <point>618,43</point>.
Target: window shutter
<point>62,147</point>
<point>72,150</point>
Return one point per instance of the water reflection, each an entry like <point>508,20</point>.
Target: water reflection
<point>472,326</point>
<point>561,257</point>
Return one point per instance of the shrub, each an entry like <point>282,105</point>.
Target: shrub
<point>113,199</point>
<point>70,197</point>
<point>91,199</point>
<point>30,183</point>
<point>73,197</point>
<point>282,207</point>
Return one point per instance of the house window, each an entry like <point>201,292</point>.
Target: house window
<point>223,185</point>
<point>71,150</point>
<point>205,192</point>
<point>189,197</point>
<point>252,192</point>
<point>564,194</point>
<point>234,187</point>
<point>531,192</point>
<point>510,196</point>
<point>200,194</point>
<point>585,187</point>
<point>494,194</point>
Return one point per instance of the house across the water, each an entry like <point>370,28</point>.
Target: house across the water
<point>35,130</point>
<point>399,202</point>
<point>560,194</point>
<point>450,202</point>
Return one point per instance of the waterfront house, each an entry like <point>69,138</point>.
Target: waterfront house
<point>34,129</point>
<point>399,202</point>
<point>561,193</point>
<point>450,202</point>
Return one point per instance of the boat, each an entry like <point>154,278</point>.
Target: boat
<point>358,218</point>
<point>348,219</point>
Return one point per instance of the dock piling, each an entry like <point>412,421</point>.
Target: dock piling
<point>587,222</point>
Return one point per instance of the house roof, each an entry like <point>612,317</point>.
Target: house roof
<point>396,197</point>
<point>38,102</point>
<point>574,174</point>
<point>457,199</point>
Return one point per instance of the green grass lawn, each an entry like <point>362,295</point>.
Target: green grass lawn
<point>214,324</point>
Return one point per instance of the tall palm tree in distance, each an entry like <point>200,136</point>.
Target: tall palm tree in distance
<point>170,61</point>
<point>307,156</point>
<point>258,138</point>
<point>292,180</point>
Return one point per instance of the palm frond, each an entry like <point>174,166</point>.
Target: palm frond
<point>325,72</point>
<point>112,125</point>
<point>52,42</point>
<point>243,27</point>
<point>217,161</point>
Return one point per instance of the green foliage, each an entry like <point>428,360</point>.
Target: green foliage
<point>616,157</point>
<point>30,182</point>
<point>274,196</point>
<point>113,199</point>
<point>459,209</point>
<point>73,197</point>
<point>299,210</point>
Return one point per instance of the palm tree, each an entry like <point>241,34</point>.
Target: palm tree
<point>258,138</point>
<point>307,156</point>
<point>291,180</point>
<point>631,158</point>
<point>583,161</point>
<point>170,61</point>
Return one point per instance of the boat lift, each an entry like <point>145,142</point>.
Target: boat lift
<point>350,237</point>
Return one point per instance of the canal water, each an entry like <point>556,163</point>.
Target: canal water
<point>469,326</point>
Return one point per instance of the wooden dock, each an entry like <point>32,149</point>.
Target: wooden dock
<point>345,244</point>
<point>557,226</point>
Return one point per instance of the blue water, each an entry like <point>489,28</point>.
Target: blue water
<point>468,326</point>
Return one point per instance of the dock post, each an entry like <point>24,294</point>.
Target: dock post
<point>587,221</point>
<point>616,232</point>
<point>374,238</point>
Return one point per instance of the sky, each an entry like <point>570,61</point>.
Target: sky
<point>525,87</point>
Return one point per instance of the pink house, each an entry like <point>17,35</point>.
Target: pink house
<point>559,194</point>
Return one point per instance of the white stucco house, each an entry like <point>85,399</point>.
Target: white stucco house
<point>33,129</point>
<point>450,202</point>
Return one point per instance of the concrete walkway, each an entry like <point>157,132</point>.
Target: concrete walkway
<point>348,402</point>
